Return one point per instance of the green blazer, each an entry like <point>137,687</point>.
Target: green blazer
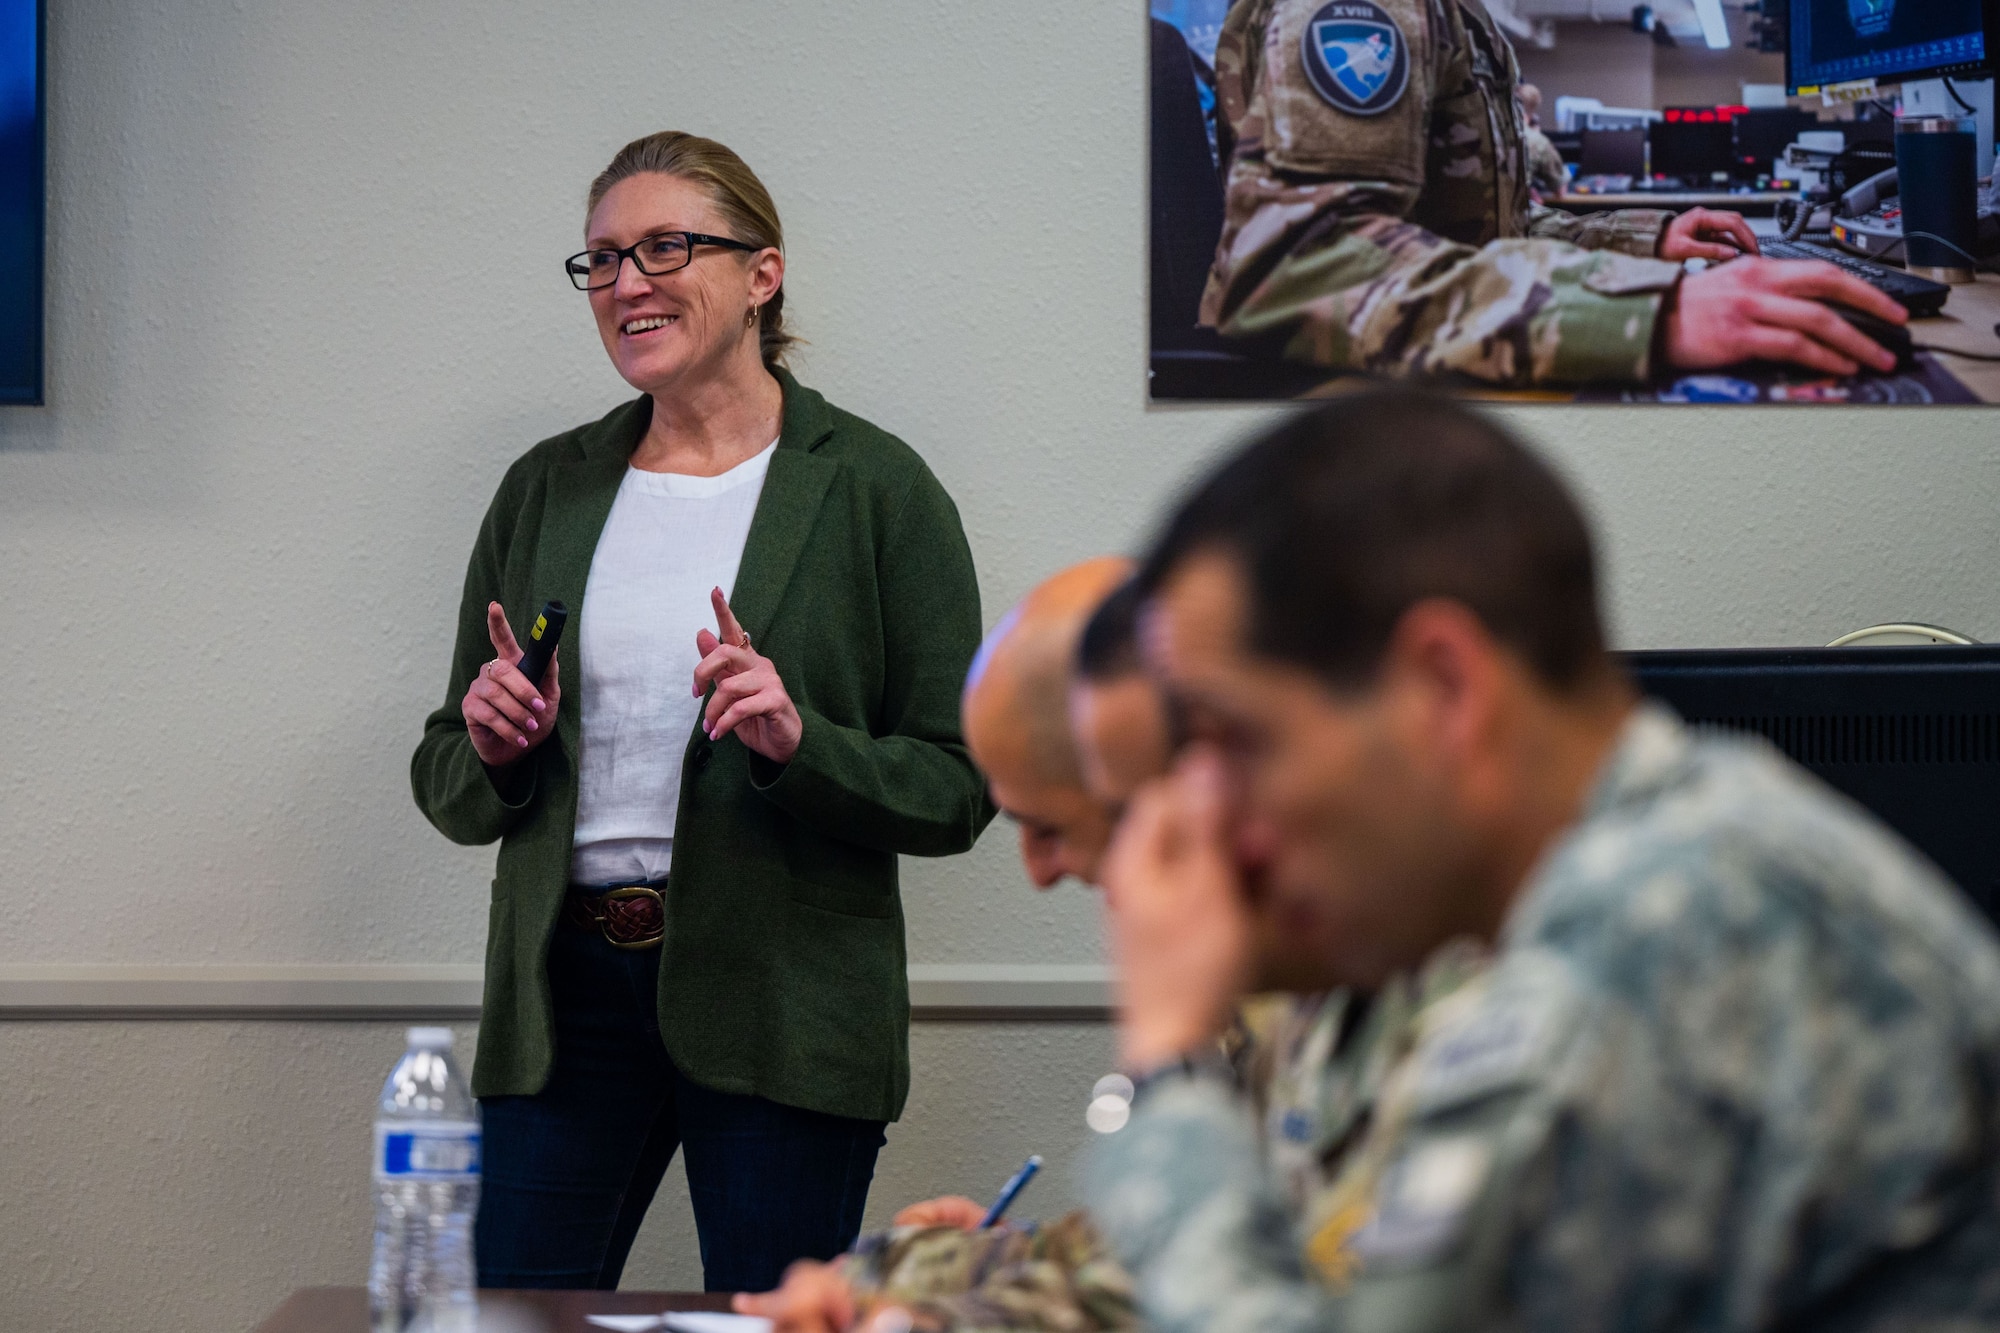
<point>783,972</point>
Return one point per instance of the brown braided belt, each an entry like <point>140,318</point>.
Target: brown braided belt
<point>630,917</point>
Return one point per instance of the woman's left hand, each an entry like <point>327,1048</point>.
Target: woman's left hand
<point>749,698</point>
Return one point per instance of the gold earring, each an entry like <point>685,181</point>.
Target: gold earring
<point>750,318</point>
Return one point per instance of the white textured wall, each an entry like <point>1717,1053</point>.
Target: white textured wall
<point>305,306</point>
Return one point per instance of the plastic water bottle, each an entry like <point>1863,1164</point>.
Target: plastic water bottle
<point>426,1193</point>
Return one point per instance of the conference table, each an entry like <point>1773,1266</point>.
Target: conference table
<point>345,1309</point>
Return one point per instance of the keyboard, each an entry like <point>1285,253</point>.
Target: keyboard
<point>1919,296</point>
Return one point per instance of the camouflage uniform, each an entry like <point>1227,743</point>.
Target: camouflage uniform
<point>1394,234</point>
<point>1736,1065</point>
<point>1330,1062</point>
<point>1547,176</point>
<point>1312,1065</point>
<point>1057,1277</point>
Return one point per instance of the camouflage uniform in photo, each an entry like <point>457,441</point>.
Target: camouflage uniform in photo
<point>1547,176</point>
<point>1312,1065</point>
<point>1735,1065</point>
<point>1393,233</point>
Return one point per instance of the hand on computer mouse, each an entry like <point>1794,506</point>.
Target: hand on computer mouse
<point>1895,337</point>
<point>1774,310</point>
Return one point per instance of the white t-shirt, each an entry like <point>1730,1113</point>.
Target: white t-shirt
<point>669,539</point>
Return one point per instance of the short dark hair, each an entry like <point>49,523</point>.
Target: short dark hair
<point>1347,515</point>
<point>1109,647</point>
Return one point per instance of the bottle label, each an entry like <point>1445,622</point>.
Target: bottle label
<point>427,1152</point>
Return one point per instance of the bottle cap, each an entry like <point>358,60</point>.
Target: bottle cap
<point>429,1039</point>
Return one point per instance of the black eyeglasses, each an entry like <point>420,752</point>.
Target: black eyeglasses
<point>662,252</point>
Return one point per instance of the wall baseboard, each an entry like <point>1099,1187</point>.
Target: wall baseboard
<point>939,992</point>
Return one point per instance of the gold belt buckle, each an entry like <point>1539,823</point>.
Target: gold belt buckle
<point>622,927</point>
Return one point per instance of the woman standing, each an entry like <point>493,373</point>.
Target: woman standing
<point>777,744</point>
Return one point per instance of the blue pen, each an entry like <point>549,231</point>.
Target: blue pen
<point>1011,1190</point>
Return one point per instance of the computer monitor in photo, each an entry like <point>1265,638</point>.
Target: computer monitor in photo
<point>1613,153</point>
<point>1839,41</point>
<point>1761,134</point>
<point>1692,145</point>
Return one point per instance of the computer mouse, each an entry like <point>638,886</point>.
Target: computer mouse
<point>1895,337</point>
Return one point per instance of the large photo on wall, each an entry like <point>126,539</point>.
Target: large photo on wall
<point>1685,201</point>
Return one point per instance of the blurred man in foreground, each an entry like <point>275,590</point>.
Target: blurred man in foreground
<point>1733,1064</point>
<point>1313,1065</point>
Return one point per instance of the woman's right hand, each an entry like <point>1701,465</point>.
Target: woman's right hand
<point>506,715</point>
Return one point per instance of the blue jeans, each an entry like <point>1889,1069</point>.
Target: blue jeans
<point>569,1172</point>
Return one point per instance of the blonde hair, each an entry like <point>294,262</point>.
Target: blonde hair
<point>738,195</point>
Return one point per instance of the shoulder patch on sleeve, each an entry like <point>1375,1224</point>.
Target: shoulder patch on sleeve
<point>1494,1049</point>
<point>1356,57</point>
<point>1502,1035</point>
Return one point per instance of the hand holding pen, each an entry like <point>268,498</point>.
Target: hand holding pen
<point>817,1297</point>
<point>955,1210</point>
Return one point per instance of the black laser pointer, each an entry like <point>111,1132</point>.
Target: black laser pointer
<point>543,636</point>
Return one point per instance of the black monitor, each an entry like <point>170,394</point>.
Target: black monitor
<point>1762,133</point>
<point>1913,734</point>
<point>1839,41</point>
<point>1613,153</point>
<point>21,100</point>
<point>1692,149</point>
